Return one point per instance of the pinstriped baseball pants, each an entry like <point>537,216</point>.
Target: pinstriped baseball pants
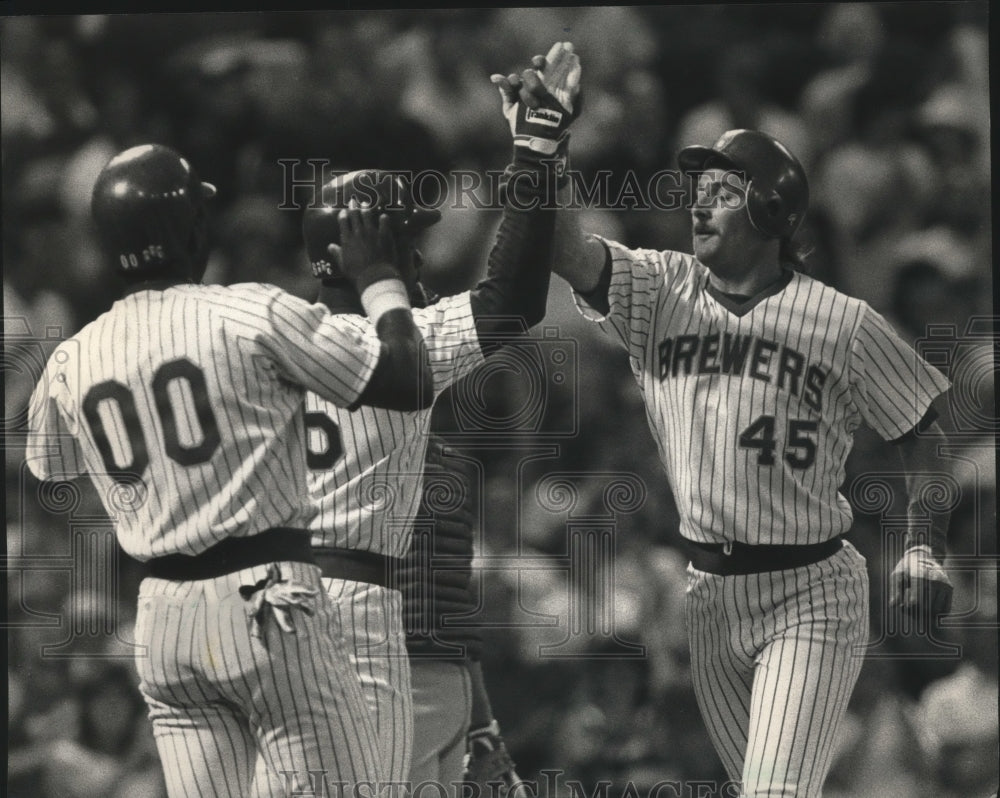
<point>224,704</point>
<point>774,660</point>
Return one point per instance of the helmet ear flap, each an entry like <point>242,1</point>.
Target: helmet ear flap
<point>774,206</point>
<point>768,212</point>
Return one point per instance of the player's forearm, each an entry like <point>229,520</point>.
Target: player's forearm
<point>927,487</point>
<point>576,257</point>
<point>513,295</point>
<point>402,379</point>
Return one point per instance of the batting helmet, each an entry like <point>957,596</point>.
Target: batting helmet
<point>149,208</point>
<point>777,189</point>
<point>386,191</point>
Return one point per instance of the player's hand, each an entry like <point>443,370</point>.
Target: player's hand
<point>540,104</point>
<point>919,585</point>
<point>488,763</point>
<point>367,250</point>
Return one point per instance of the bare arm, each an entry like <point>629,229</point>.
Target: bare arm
<point>577,257</point>
<point>928,521</point>
<point>919,584</point>
<point>402,378</point>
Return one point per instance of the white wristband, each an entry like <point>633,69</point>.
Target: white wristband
<point>385,295</point>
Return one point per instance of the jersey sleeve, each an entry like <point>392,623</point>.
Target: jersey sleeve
<point>449,330</point>
<point>333,355</point>
<point>892,386</point>
<point>638,277</point>
<point>51,450</point>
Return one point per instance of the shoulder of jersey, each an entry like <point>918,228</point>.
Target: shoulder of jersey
<point>828,295</point>
<point>679,268</point>
<point>442,304</point>
<point>679,262</point>
<point>256,289</point>
<point>226,295</point>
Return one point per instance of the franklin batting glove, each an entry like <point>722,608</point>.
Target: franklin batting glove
<point>281,597</point>
<point>918,584</point>
<point>541,104</point>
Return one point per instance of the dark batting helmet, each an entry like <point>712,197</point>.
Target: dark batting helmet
<point>149,208</point>
<point>777,188</point>
<point>386,191</point>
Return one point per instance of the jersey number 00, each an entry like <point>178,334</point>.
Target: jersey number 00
<point>181,369</point>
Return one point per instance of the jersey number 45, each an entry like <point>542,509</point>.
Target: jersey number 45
<point>799,450</point>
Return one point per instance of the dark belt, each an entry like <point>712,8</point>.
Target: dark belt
<point>729,559</point>
<point>279,544</point>
<point>358,566</point>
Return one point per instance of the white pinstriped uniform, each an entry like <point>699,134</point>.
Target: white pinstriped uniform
<point>197,392</point>
<point>753,407</point>
<point>367,500</point>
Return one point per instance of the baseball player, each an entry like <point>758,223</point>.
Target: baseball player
<point>456,737</point>
<point>184,404</point>
<point>366,466</point>
<point>755,378</point>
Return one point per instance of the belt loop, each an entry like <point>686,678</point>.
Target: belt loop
<point>727,547</point>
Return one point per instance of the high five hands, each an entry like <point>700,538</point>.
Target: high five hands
<point>542,101</point>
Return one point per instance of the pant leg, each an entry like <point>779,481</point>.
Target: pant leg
<point>442,706</point>
<point>205,746</point>
<point>371,618</point>
<point>301,698</point>
<point>805,676</point>
<point>721,671</point>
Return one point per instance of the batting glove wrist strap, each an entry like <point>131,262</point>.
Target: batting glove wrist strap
<point>532,180</point>
<point>550,166</point>
<point>931,539</point>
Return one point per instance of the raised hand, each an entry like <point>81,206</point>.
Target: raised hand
<point>367,251</point>
<point>540,103</point>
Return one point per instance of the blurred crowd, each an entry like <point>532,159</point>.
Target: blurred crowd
<point>885,104</point>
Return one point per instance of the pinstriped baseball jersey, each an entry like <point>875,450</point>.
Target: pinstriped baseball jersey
<point>366,465</point>
<point>197,391</point>
<point>753,405</point>
<point>366,475</point>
